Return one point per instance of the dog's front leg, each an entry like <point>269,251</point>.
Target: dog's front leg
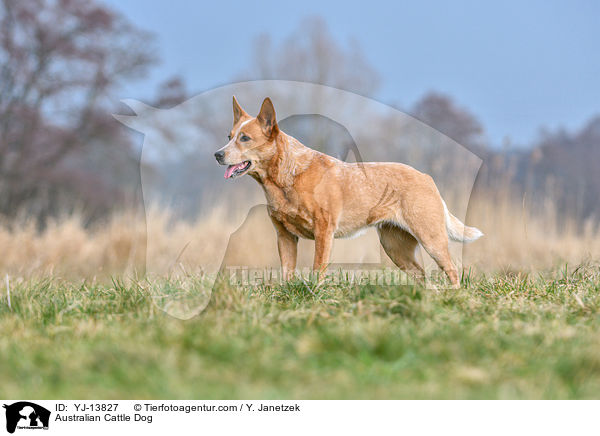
<point>323,244</point>
<point>287,245</point>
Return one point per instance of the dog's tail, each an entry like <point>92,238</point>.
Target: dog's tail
<point>457,231</point>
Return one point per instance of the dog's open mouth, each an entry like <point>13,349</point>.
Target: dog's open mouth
<point>237,169</point>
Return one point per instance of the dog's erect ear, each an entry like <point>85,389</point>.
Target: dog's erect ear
<point>238,112</point>
<point>266,118</point>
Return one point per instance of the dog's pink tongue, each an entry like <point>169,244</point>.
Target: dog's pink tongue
<point>231,168</point>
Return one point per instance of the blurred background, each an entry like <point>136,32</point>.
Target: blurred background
<point>514,84</point>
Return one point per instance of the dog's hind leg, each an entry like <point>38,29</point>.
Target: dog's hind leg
<point>422,213</point>
<point>401,247</point>
<point>432,235</point>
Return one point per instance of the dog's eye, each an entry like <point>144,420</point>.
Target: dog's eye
<point>229,136</point>
<point>244,138</point>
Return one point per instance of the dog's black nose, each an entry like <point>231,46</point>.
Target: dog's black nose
<point>219,155</point>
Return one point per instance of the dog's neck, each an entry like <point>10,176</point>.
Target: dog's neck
<point>290,159</point>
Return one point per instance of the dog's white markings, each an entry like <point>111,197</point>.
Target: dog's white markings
<point>350,234</point>
<point>240,128</point>
<point>457,230</point>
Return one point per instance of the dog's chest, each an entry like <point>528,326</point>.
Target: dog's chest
<point>289,210</point>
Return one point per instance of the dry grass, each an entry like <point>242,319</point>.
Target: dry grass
<point>515,239</point>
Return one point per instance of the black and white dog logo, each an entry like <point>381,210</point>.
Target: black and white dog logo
<point>26,415</point>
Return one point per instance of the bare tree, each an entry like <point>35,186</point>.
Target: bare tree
<point>171,92</point>
<point>441,112</point>
<point>60,62</point>
<point>563,165</point>
<point>311,54</point>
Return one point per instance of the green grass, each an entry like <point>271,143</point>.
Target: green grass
<point>507,336</point>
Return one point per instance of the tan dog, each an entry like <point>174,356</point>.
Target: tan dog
<point>315,196</point>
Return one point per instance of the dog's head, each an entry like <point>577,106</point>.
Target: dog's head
<point>251,141</point>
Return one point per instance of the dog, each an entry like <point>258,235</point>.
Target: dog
<point>312,195</point>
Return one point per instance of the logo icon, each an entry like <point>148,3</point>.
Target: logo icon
<point>26,415</point>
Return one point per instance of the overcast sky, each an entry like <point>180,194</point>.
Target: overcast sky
<point>517,65</point>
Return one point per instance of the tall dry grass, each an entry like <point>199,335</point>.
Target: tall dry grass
<point>515,238</point>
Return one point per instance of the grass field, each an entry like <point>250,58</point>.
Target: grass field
<point>505,336</point>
